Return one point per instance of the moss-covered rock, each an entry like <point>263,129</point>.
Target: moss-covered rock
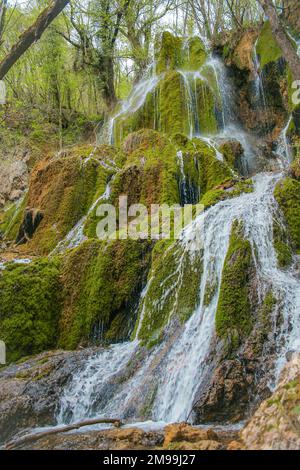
<point>233,317</point>
<point>63,189</point>
<point>30,305</point>
<point>229,190</point>
<point>267,47</point>
<point>101,282</point>
<point>287,194</point>
<point>11,219</point>
<point>176,53</point>
<point>173,290</point>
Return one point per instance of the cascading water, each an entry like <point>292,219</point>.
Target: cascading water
<point>225,89</point>
<point>76,235</point>
<point>283,148</point>
<point>131,105</point>
<point>259,89</point>
<point>177,368</point>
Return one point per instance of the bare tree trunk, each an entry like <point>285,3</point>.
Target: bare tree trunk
<point>31,35</point>
<point>282,37</point>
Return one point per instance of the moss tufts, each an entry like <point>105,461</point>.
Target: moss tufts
<point>235,189</point>
<point>233,316</point>
<point>30,305</point>
<point>101,285</point>
<point>173,290</point>
<point>267,47</point>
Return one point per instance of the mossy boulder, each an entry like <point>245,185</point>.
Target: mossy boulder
<point>30,306</point>
<point>63,189</point>
<point>267,47</point>
<point>176,53</point>
<point>230,189</point>
<point>102,282</point>
<point>287,194</point>
<point>234,318</point>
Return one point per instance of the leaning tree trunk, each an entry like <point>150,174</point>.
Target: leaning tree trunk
<point>282,37</point>
<point>31,35</point>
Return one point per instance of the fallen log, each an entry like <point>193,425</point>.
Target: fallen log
<point>69,427</point>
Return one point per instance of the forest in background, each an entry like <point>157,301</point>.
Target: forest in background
<point>95,50</point>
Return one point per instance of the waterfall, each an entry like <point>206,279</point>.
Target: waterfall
<point>225,89</point>
<point>129,106</point>
<point>190,84</point>
<point>283,148</point>
<point>259,89</point>
<point>176,368</point>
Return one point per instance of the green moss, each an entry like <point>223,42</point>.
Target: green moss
<point>151,171</point>
<point>170,56</point>
<point>268,306</point>
<point>284,254</point>
<point>287,194</point>
<point>30,304</point>
<point>233,316</point>
<point>173,290</point>
<point>267,47</point>
<point>194,54</point>
<point>172,104</point>
<point>11,220</point>
<point>101,284</point>
<point>216,195</point>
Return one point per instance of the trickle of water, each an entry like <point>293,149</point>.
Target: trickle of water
<point>225,89</point>
<point>76,236</point>
<point>190,80</point>
<point>259,89</point>
<point>284,150</point>
<point>183,183</point>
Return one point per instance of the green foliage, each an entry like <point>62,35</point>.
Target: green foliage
<point>30,304</point>
<point>233,316</point>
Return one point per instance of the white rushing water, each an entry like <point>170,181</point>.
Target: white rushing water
<point>259,88</point>
<point>284,150</point>
<point>183,363</point>
<point>129,106</point>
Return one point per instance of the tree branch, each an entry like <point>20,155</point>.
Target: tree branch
<point>31,35</point>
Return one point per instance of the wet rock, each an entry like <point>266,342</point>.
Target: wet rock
<point>276,423</point>
<point>13,179</point>
<point>30,391</point>
<point>227,395</point>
